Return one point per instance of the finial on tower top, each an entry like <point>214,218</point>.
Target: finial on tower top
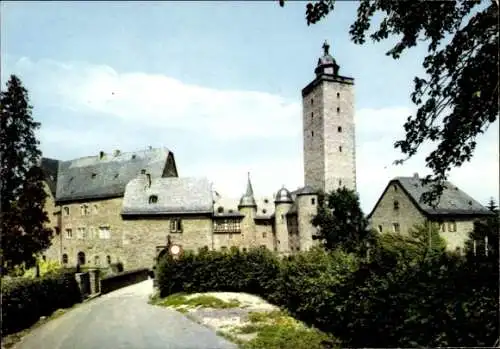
<point>326,48</point>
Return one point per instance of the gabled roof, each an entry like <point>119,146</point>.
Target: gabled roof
<point>97,177</point>
<point>173,196</point>
<point>453,201</point>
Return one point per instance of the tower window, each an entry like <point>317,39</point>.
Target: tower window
<point>340,148</point>
<point>338,110</point>
<point>338,95</point>
<point>153,199</point>
<point>312,101</point>
<point>313,201</point>
<point>339,128</point>
<point>340,182</point>
<point>379,228</point>
<point>312,115</point>
<point>312,133</point>
<point>395,227</point>
<point>396,205</point>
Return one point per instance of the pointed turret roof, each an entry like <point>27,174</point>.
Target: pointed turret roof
<point>248,199</point>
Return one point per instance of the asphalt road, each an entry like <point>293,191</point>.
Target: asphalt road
<point>123,320</point>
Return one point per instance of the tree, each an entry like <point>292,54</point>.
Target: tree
<point>341,222</point>
<point>23,196</point>
<point>458,99</point>
<point>485,234</point>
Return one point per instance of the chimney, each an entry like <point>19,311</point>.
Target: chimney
<point>415,175</point>
<point>116,152</point>
<point>101,155</point>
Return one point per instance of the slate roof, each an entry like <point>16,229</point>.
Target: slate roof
<point>50,169</point>
<point>94,177</point>
<point>174,196</point>
<point>452,202</point>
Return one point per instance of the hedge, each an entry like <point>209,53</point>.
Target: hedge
<point>443,300</point>
<point>25,300</point>
<point>116,281</point>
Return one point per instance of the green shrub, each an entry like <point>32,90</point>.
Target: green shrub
<point>24,300</point>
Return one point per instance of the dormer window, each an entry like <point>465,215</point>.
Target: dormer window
<point>153,199</point>
<point>94,175</point>
<point>133,156</point>
<point>220,209</point>
<point>396,205</point>
<point>266,201</point>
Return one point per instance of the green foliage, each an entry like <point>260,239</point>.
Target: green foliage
<point>22,194</point>
<point>341,222</point>
<point>46,268</point>
<point>458,99</point>
<point>24,300</point>
<point>485,234</point>
<point>255,271</point>
<point>408,293</point>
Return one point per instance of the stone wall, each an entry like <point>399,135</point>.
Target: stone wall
<point>329,136</point>
<point>307,209</point>
<point>385,215</point>
<point>141,237</point>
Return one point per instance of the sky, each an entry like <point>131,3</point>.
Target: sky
<point>219,84</point>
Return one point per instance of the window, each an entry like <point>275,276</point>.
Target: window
<point>84,210</point>
<point>395,187</point>
<point>227,225</point>
<point>108,259</point>
<point>263,247</point>
<point>340,148</point>
<point>452,226</point>
<point>338,110</point>
<point>313,201</point>
<point>69,234</point>
<point>395,227</point>
<point>81,258</point>
<point>443,227</point>
<point>266,201</point>
<point>64,258</point>
<point>312,133</point>
<point>379,228</point>
<point>339,129</point>
<point>220,209</point>
<point>175,225</point>
<point>94,175</point>
<point>116,176</point>
<point>264,211</point>
<point>312,101</point>
<point>104,232</point>
<point>44,258</point>
<point>223,248</point>
<point>340,182</point>
<point>396,205</point>
<point>264,234</point>
<point>81,233</point>
<point>97,261</point>
<point>312,115</point>
<point>153,199</point>
<point>338,95</point>
<point>66,210</point>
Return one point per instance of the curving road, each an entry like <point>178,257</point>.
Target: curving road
<point>123,320</point>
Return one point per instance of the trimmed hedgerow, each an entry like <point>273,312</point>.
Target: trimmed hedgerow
<point>402,297</point>
<point>25,300</point>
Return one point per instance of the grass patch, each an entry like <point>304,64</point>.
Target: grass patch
<point>279,336</point>
<point>181,301</point>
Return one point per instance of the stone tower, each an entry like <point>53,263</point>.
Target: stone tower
<point>328,128</point>
<point>248,208</point>
<point>283,202</point>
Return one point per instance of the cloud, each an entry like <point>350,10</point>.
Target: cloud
<point>217,133</point>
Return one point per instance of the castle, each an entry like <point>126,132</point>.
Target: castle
<point>123,207</point>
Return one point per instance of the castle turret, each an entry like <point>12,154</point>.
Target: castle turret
<point>248,208</point>
<point>283,202</point>
<point>307,208</point>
